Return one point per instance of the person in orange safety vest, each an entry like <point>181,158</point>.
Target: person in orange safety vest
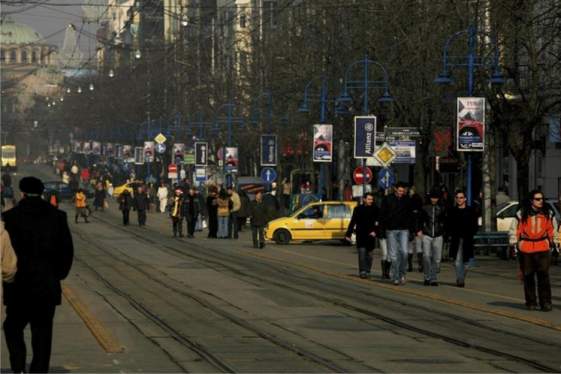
<point>534,235</point>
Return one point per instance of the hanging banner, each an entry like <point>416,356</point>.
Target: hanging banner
<point>442,141</point>
<point>139,155</point>
<point>96,148</point>
<point>201,153</point>
<point>119,151</point>
<point>149,151</point>
<point>470,129</point>
<point>231,157</point>
<point>554,129</point>
<point>323,143</point>
<point>269,150</point>
<point>128,152</point>
<point>365,136</point>
<point>87,148</point>
<point>109,150</point>
<point>77,147</point>
<point>177,152</point>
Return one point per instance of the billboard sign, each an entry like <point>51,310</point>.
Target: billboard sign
<point>231,157</point>
<point>365,136</point>
<point>269,150</point>
<point>201,153</point>
<point>149,151</point>
<point>323,143</point>
<point>470,125</point>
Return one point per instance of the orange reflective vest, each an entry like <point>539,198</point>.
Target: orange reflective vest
<point>535,234</point>
<point>80,200</point>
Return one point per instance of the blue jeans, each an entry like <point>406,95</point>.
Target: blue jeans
<point>222,227</point>
<point>398,241</point>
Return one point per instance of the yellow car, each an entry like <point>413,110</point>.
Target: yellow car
<point>130,186</point>
<point>321,220</point>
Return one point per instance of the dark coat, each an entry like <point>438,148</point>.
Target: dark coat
<point>397,214</point>
<point>125,201</point>
<point>365,219</point>
<point>43,244</point>
<point>190,207</point>
<point>462,224</point>
<point>212,206</point>
<point>141,201</point>
<point>432,220</point>
<point>259,213</point>
<point>99,197</point>
<point>245,209</point>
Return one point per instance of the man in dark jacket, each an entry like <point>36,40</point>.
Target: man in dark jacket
<point>259,218</point>
<point>125,205</point>
<point>212,212</point>
<point>141,203</point>
<point>432,220</point>
<point>365,219</point>
<point>191,211</point>
<point>43,244</point>
<point>397,222</point>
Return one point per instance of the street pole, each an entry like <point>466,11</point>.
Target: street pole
<point>365,109</point>
<point>470,68</point>
<point>323,109</point>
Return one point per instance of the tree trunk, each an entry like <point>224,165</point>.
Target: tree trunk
<point>523,173</point>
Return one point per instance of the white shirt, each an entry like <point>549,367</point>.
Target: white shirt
<point>162,193</point>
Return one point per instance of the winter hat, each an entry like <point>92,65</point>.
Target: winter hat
<point>434,194</point>
<point>31,186</point>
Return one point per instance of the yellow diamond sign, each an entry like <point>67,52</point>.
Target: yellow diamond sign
<point>160,138</point>
<point>385,155</point>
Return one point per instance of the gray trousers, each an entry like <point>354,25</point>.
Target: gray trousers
<point>432,254</point>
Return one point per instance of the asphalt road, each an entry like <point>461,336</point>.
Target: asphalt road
<point>139,300</point>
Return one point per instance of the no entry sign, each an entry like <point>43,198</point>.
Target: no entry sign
<point>360,174</point>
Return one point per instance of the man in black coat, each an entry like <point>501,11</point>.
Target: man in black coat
<point>191,211</point>
<point>365,219</point>
<point>141,203</point>
<point>43,244</point>
<point>259,219</point>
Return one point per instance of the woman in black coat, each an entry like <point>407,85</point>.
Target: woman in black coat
<point>461,227</point>
<point>365,219</point>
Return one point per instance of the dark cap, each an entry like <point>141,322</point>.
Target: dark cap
<point>434,194</point>
<point>31,186</point>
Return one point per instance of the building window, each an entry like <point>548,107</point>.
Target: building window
<point>2,55</point>
<point>34,57</point>
<point>24,56</point>
<point>13,56</point>
<point>243,20</point>
<point>269,13</point>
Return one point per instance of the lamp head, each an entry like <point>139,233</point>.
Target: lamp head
<point>385,98</point>
<point>443,78</point>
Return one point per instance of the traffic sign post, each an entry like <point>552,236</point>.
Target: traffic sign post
<point>172,171</point>
<point>269,175</point>
<point>362,175</point>
<point>160,148</point>
<point>386,178</point>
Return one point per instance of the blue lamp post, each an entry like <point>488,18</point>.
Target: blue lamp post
<point>269,97</point>
<point>230,120</point>
<point>364,84</point>
<point>471,62</point>
<point>305,108</point>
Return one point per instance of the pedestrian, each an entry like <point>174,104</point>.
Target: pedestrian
<point>43,245</point>
<point>502,197</point>
<point>258,221</point>
<point>272,205</point>
<point>534,234</point>
<point>52,198</point>
<point>125,205</point>
<point>431,232</point>
<point>176,212</point>
<point>364,222</point>
<point>212,212</point>
<point>81,205</point>
<point>162,195</point>
<point>234,213</point>
<point>461,226</point>
<point>286,192</point>
<point>99,197</point>
<point>396,218</point>
<point>224,206</point>
<point>191,211</point>
<point>141,204</point>
<point>245,210</point>
<point>8,257</point>
<point>416,242</point>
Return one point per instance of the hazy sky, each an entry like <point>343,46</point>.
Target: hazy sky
<point>52,19</point>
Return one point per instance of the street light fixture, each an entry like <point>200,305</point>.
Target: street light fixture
<point>91,87</point>
<point>62,99</point>
<point>184,21</point>
<point>68,90</point>
<point>111,73</point>
<point>137,54</point>
<point>79,90</point>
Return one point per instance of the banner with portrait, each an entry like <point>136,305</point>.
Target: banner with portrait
<point>323,143</point>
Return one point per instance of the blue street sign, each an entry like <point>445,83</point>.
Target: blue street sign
<point>268,150</point>
<point>269,175</point>
<point>386,178</point>
<point>160,148</point>
<point>365,136</point>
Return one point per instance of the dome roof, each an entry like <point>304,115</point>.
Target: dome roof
<point>17,33</point>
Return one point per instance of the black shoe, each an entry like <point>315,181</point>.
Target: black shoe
<point>460,284</point>
<point>262,246</point>
<point>363,275</point>
<point>426,282</point>
<point>434,283</point>
<point>546,308</point>
<point>531,307</point>
<point>410,263</point>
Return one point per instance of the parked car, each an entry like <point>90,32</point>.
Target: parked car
<point>506,216</point>
<point>64,191</point>
<point>323,220</point>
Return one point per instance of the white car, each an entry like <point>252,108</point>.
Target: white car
<point>506,216</point>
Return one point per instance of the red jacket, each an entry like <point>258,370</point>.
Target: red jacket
<point>535,234</point>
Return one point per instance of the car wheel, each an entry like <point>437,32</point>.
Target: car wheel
<point>282,236</point>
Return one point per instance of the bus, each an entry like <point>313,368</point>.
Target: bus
<point>9,157</point>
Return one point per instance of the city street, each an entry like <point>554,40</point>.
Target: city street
<point>139,300</point>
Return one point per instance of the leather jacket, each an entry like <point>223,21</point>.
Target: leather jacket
<point>432,220</point>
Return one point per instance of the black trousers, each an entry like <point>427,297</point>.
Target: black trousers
<point>532,265</point>
<point>212,225</point>
<point>125,216</point>
<point>364,260</point>
<point>41,321</point>
<point>177,226</point>
<point>191,223</point>
<point>233,225</point>
<point>141,217</point>
<point>258,236</point>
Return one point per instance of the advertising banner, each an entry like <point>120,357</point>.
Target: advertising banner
<point>87,147</point>
<point>127,152</point>
<point>442,141</point>
<point>323,143</point>
<point>554,129</point>
<point>201,153</point>
<point>177,152</point>
<point>269,150</point>
<point>470,129</point>
<point>138,155</point>
<point>118,151</point>
<point>365,136</point>
<point>149,151</point>
<point>96,148</point>
<point>231,157</point>
<point>77,146</point>
<point>109,150</point>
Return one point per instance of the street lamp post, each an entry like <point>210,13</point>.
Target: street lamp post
<point>471,62</point>
<point>365,84</point>
<point>305,107</point>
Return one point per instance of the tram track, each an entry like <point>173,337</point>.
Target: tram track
<point>229,260</point>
